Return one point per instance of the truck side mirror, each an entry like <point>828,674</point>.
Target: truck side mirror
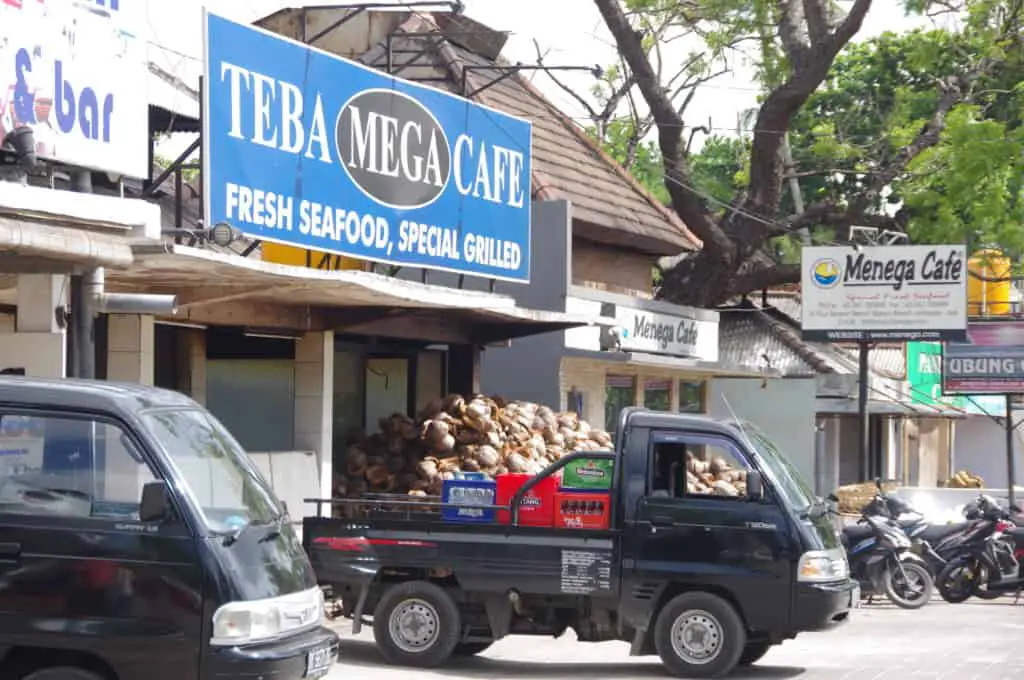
<point>755,486</point>
<point>156,503</point>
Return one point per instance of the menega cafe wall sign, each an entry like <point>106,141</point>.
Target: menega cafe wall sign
<point>309,149</point>
<point>889,293</point>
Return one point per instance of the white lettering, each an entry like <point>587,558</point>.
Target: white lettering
<point>292,136</point>
<point>235,76</point>
<point>262,100</point>
<point>463,145</point>
<point>318,132</point>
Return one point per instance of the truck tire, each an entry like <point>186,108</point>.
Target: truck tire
<point>754,652</point>
<point>699,635</point>
<point>416,624</point>
<point>62,673</point>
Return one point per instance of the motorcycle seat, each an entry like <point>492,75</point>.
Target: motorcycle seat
<point>937,532</point>
<point>856,533</point>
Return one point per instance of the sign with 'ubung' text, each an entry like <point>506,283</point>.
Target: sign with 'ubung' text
<point>308,149</point>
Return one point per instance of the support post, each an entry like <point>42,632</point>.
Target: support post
<point>1011,471</point>
<point>863,419</point>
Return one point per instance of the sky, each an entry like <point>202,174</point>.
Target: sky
<point>572,33</point>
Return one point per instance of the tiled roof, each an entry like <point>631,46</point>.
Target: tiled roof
<point>886,359</point>
<point>609,206</point>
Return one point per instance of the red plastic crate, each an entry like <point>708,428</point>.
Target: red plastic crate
<point>582,510</point>
<point>537,508</point>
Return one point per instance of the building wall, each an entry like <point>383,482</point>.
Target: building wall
<point>783,408</point>
<point>607,268</point>
<point>980,447</point>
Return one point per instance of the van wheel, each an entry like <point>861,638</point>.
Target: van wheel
<point>699,635</point>
<point>416,624</point>
<point>62,673</point>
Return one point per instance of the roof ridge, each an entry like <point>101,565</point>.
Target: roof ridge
<point>453,63</point>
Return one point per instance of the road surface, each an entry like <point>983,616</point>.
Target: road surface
<point>948,642</point>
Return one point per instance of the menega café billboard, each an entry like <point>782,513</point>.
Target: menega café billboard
<point>992,362</point>
<point>307,149</point>
<point>75,74</point>
<point>884,293</point>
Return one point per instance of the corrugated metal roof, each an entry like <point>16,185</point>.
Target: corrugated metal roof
<point>609,206</point>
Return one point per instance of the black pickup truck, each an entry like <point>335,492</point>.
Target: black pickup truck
<point>707,581</point>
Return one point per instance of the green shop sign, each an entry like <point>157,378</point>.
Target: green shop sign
<point>924,374</point>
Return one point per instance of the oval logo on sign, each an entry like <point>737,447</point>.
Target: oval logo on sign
<point>393,149</point>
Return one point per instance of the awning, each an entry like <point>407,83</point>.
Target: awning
<point>716,369</point>
<point>349,301</point>
<point>45,247</point>
<point>883,407</point>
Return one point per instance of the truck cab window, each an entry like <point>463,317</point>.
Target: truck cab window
<point>69,467</point>
<point>700,468</point>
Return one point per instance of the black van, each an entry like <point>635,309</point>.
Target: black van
<point>139,542</point>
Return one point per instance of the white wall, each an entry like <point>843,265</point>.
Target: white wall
<point>980,447</point>
<point>783,408</point>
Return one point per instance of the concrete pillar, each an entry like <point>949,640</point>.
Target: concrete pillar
<point>314,407</point>
<point>38,343</point>
<point>197,364</point>
<point>130,348</point>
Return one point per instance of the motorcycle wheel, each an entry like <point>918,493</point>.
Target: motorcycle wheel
<point>910,588</point>
<point>981,586</point>
<point>956,581</point>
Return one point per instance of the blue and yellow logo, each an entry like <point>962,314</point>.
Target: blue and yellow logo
<point>826,273</point>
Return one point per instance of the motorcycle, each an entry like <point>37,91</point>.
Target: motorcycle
<point>936,543</point>
<point>882,562</point>
<point>990,561</point>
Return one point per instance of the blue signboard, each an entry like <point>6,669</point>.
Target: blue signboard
<point>307,149</point>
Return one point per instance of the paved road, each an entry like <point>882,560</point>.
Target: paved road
<point>941,641</point>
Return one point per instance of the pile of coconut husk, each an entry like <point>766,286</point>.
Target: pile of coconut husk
<point>715,476</point>
<point>451,435</point>
<point>964,479</point>
<point>853,497</point>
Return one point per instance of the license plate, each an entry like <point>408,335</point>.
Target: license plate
<point>855,597</point>
<point>318,663</point>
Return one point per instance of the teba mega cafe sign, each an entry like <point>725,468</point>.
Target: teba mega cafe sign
<point>893,293</point>
<point>75,73</point>
<point>307,149</point>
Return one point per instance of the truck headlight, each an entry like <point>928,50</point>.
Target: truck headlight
<point>821,566</point>
<point>244,622</point>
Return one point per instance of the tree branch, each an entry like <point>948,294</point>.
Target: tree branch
<point>809,69</point>
<point>687,204</point>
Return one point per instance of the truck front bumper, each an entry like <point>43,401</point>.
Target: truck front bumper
<point>305,656</point>
<point>820,606</point>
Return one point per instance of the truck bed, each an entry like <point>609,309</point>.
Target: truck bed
<point>482,557</point>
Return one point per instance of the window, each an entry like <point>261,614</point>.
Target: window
<point>697,467</point>
<point>69,467</point>
<point>691,396</point>
<point>620,392</point>
<point>218,473</point>
<point>658,394</point>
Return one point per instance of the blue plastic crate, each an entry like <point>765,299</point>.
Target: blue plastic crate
<point>479,491</point>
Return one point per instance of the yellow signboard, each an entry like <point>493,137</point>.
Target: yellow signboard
<point>303,257</point>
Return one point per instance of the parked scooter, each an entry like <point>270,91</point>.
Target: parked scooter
<point>880,557</point>
<point>936,543</point>
<point>990,559</point>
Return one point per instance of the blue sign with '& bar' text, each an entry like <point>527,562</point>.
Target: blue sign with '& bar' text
<point>311,150</point>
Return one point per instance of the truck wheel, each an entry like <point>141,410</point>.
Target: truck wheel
<point>699,635</point>
<point>416,624</point>
<point>753,652</point>
<point>62,673</point>
<point>471,648</point>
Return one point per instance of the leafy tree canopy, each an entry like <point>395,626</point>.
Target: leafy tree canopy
<point>918,132</point>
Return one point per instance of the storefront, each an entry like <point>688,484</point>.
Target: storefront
<point>645,353</point>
